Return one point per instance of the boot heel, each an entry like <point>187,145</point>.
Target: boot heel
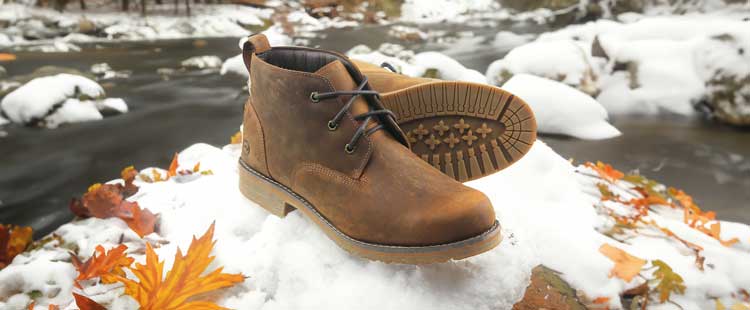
<point>264,193</point>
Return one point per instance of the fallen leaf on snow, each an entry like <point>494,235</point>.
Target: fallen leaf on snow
<point>669,281</point>
<point>101,263</point>
<point>180,286</point>
<point>85,303</point>
<point>626,266</point>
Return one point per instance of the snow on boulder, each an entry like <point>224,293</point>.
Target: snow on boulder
<point>425,64</point>
<point>446,68</point>
<point>234,65</point>
<point>561,109</point>
<point>54,100</point>
<point>202,62</point>
<point>3,120</point>
<point>566,61</point>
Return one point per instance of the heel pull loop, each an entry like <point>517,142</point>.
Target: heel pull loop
<point>254,44</point>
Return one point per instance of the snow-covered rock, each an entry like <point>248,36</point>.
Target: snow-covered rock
<point>3,121</point>
<point>54,100</point>
<point>561,109</point>
<point>434,11</point>
<point>234,65</point>
<point>545,204</point>
<point>566,61</point>
<point>202,62</point>
<point>425,64</point>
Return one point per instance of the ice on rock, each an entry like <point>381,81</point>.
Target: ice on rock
<point>54,100</point>
<point>561,109</point>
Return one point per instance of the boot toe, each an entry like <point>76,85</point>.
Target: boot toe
<point>455,217</point>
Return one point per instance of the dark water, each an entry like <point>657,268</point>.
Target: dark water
<point>40,170</point>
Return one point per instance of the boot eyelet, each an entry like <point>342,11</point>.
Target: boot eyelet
<point>349,149</point>
<point>314,97</point>
<point>332,125</point>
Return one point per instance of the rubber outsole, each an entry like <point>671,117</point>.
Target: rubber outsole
<point>466,130</point>
<point>280,200</point>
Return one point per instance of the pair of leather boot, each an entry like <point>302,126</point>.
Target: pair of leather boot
<point>373,157</point>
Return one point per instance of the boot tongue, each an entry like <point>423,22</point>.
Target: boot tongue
<point>342,81</point>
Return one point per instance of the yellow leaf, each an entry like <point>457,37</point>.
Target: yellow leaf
<point>669,281</point>
<point>626,266</point>
<point>178,290</point>
<point>7,57</point>
<point>236,138</point>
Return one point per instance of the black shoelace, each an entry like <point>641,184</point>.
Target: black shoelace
<point>365,118</point>
<point>389,67</point>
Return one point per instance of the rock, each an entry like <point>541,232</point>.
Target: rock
<point>548,291</point>
<point>86,26</point>
<point>3,72</point>
<point>568,11</point>
<point>729,100</point>
<point>202,62</point>
<point>13,83</point>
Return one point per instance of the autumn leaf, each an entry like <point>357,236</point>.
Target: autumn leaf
<point>236,138</point>
<point>669,281</point>
<point>5,57</point>
<point>109,200</point>
<point>626,266</point>
<point>102,263</point>
<point>605,171</point>
<point>85,303</point>
<point>13,241</point>
<point>173,166</point>
<point>178,290</point>
<point>55,307</point>
<point>601,300</point>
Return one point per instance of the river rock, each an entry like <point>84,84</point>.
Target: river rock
<point>86,26</point>
<point>729,100</point>
<point>3,72</point>
<point>548,291</point>
<point>725,64</point>
<point>13,83</point>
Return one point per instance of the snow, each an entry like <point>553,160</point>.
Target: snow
<point>207,21</point>
<point>3,120</point>
<point>202,62</point>
<point>561,109</point>
<point>417,65</point>
<point>564,60</point>
<point>653,65</point>
<point>235,65</point>
<point>291,264</point>
<point>59,99</point>
<point>435,11</point>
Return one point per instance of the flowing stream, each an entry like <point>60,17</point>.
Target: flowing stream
<point>42,169</point>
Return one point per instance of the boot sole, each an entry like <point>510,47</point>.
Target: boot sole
<point>466,130</point>
<point>280,200</point>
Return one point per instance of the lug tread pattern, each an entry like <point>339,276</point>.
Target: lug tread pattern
<point>465,130</point>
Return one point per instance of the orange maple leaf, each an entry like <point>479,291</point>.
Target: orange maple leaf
<point>178,289</point>
<point>694,217</point>
<point>606,171</point>
<point>101,263</point>
<point>109,200</point>
<point>85,303</point>
<point>626,266</point>
<point>13,241</point>
<point>55,307</point>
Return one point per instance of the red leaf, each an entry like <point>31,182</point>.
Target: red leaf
<point>85,303</point>
<point>13,241</point>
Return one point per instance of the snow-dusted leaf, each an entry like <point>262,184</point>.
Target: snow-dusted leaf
<point>186,280</point>
<point>102,262</point>
<point>626,266</point>
<point>669,281</point>
<point>606,171</point>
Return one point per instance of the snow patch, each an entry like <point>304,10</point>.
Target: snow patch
<point>58,99</point>
<point>561,109</point>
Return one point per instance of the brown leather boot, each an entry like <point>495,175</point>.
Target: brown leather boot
<point>316,139</point>
<point>464,129</point>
